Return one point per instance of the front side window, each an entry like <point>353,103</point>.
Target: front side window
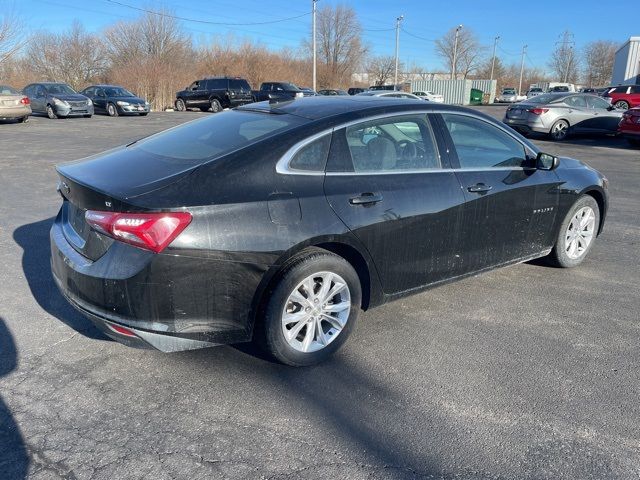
<point>482,145</point>
<point>576,101</point>
<point>597,102</point>
<point>393,145</point>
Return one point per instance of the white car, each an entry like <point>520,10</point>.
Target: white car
<point>534,92</point>
<point>509,95</point>
<point>388,94</point>
<point>430,96</point>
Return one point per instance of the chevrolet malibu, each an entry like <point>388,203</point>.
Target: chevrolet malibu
<point>281,221</point>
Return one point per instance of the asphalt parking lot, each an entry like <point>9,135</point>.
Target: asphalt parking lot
<point>528,372</point>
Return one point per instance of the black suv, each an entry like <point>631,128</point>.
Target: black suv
<point>214,93</point>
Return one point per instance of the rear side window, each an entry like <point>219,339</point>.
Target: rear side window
<point>620,90</point>
<point>217,84</point>
<point>393,144</point>
<point>482,145</point>
<point>215,136</point>
<point>312,157</point>
<point>635,89</point>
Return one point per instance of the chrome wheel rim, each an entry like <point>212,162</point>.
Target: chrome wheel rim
<point>50,112</point>
<point>112,110</point>
<point>180,105</point>
<point>580,232</point>
<point>316,311</point>
<point>215,107</point>
<point>560,130</point>
<point>621,105</point>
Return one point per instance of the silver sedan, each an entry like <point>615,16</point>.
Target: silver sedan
<point>560,114</point>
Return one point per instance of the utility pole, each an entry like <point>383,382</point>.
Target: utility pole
<point>493,59</point>
<point>398,20</point>
<point>566,54</point>
<point>313,41</point>
<point>569,62</point>
<point>524,52</point>
<point>455,53</point>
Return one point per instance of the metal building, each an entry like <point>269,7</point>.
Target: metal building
<point>626,68</point>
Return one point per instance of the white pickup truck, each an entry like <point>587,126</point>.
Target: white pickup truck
<point>509,95</point>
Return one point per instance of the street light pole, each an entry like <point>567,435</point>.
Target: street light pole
<point>524,52</point>
<point>313,41</point>
<point>455,53</point>
<point>398,20</point>
<point>493,60</point>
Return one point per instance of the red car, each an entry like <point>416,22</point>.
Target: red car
<point>629,126</point>
<point>624,97</point>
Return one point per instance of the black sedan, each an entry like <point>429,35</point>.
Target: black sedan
<point>281,221</point>
<point>115,100</point>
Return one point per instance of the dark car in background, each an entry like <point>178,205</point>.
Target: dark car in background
<point>115,100</point>
<point>356,90</point>
<point>629,126</point>
<point>279,91</point>
<point>215,94</point>
<point>562,114</point>
<point>281,221</point>
<point>332,92</point>
<point>57,100</point>
<point>13,104</point>
<point>623,97</point>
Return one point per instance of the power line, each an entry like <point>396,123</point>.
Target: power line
<point>417,36</point>
<point>161,14</point>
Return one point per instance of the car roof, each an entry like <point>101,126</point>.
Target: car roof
<point>316,108</point>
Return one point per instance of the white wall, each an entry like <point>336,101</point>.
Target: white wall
<point>626,67</point>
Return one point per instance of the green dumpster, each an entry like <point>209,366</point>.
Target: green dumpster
<point>476,97</point>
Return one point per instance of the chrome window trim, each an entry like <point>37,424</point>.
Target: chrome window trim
<point>283,165</point>
<point>431,170</point>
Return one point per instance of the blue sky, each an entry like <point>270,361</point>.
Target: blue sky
<point>537,23</point>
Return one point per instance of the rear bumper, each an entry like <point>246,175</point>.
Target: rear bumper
<point>170,302</point>
<point>523,125</point>
<point>14,112</point>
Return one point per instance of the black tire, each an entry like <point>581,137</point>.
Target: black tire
<point>558,256</point>
<point>204,109</point>
<point>23,119</point>
<point>559,130</point>
<point>180,105</point>
<point>51,113</point>
<point>87,116</point>
<point>621,105</point>
<point>144,114</point>
<point>215,106</point>
<point>112,110</point>
<point>269,330</point>
<point>634,142</point>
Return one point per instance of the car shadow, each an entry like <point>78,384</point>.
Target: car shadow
<point>603,140</point>
<point>14,459</point>
<point>33,238</point>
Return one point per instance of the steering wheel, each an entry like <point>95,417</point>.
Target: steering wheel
<point>408,150</point>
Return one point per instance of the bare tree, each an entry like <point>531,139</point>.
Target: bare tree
<point>599,57</point>
<point>381,69</point>
<point>340,48</point>
<point>75,57</point>
<point>11,37</point>
<point>468,51</point>
<point>564,62</point>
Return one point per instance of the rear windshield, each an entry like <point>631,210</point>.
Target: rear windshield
<point>216,135</point>
<point>545,98</point>
<point>7,90</point>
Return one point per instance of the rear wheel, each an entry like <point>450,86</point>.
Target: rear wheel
<point>577,233</point>
<point>312,309</point>
<point>621,105</point>
<point>559,130</point>
<point>180,106</point>
<point>23,119</point>
<point>112,110</point>
<point>215,106</point>
<point>51,113</point>
<point>87,116</point>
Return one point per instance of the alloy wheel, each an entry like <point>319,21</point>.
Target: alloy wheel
<point>580,232</point>
<point>560,130</point>
<point>316,311</point>
<point>111,110</point>
<point>621,105</point>
<point>215,106</point>
<point>51,113</point>
<point>180,105</point>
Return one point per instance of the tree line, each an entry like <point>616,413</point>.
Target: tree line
<point>154,57</point>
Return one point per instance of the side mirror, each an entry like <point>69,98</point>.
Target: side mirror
<point>544,161</point>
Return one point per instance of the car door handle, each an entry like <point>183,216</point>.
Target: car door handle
<point>365,199</point>
<point>479,188</point>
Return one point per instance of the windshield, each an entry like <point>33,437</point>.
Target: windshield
<point>59,88</point>
<point>536,89</point>
<point>216,135</point>
<point>117,92</point>
<point>7,90</point>
<point>508,91</point>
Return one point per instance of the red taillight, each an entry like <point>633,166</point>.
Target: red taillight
<point>152,231</point>
<point>121,330</point>
<point>537,111</point>
<point>25,101</point>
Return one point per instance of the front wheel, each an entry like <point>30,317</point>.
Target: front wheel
<point>577,233</point>
<point>23,119</point>
<point>312,309</point>
<point>215,106</point>
<point>144,114</point>
<point>112,110</point>
<point>559,130</point>
<point>51,113</point>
